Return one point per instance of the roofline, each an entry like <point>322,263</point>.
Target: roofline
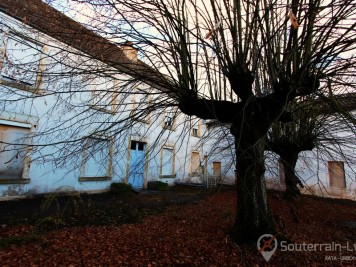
<point>55,24</point>
<point>50,21</point>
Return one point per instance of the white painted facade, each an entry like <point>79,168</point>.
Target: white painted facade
<point>171,150</point>
<point>35,104</point>
<point>325,173</point>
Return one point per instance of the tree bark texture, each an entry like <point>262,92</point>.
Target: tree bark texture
<point>289,160</point>
<point>252,216</point>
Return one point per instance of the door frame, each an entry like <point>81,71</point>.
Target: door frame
<point>145,172</point>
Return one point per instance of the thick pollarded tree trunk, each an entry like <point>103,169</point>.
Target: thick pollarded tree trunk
<point>252,214</point>
<point>250,120</point>
<point>289,160</point>
<point>288,148</point>
<point>252,217</point>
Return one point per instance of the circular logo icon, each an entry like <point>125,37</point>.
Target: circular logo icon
<point>267,245</point>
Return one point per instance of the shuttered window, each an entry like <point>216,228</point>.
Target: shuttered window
<point>195,163</point>
<point>217,168</point>
<point>97,158</point>
<point>336,174</point>
<point>167,167</point>
<point>13,151</point>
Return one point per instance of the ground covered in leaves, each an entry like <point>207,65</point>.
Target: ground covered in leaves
<point>180,227</point>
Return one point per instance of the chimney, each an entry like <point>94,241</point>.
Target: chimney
<point>129,51</point>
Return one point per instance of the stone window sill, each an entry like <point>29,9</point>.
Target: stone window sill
<point>94,179</point>
<point>15,181</point>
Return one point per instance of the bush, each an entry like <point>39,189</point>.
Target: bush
<point>49,223</point>
<point>158,186</point>
<point>121,188</point>
<point>7,241</point>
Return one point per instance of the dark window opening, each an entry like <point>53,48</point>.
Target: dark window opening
<point>168,121</point>
<point>135,145</point>
<point>141,146</point>
<point>195,132</point>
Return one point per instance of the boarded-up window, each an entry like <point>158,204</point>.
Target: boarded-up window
<point>97,158</point>
<point>216,168</point>
<point>21,60</point>
<point>336,174</point>
<point>167,168</point>
<point>13,150</point>
<point>195,163</point>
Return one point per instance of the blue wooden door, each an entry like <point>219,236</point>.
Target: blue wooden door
<point>137,164</point>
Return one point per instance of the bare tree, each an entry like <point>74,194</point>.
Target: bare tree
<point>317,124</point>
<point>236,62</point>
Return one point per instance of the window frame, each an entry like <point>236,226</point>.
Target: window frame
<point>218,162</point>
<point>331,174</point>
<point>173,116</point>
<point>198,171</point>
<point>173,174</point>
<point>85,178</point>
<point>113,99</point>
<point>196,127</point>
<point>25,175</point>
<point>147,118</point>
<point>35,88</point>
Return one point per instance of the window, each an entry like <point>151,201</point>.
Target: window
<point>336,174</point>
<point>169,120</point>
<point>196,128</point>
<point>140,107</point>
<point>195,163</point>
<point>136,145</point>
<point>21,62</point>
<point>14,153</point>
<point>167,162</point>
<point>217,168</point>
<point>97,159</point>
<point>104,94</point>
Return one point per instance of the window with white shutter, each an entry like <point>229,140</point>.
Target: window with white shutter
<point>13,152</point>
<point>97,159</point>
<point>167,162</point>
